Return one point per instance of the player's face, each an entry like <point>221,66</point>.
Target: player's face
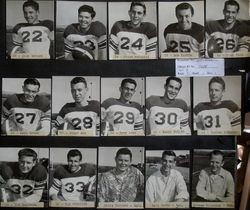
<point>127,91</point>
<point>230,13</point>
<point>216,92</point>
<point>79,92</point>
<point>168,162</point>
<point>85,19</point>
<point>30,91</point>
<point>26,163</point>
<point>74,164</point>
<point>136,15</point>
<point>123,162</point>
<point>216,162</point>
<point>30,15</point>
<point>184,18</point>
<point>172,89</point>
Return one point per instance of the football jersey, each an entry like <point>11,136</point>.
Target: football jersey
<point>230,40</point>
<point>126,40</point>
<point>185,41</point>
<point>23,185</point>
<point>26,116</point>
<point>82,118</point>
<point>73,36</point>
<point>73,186</point>
<point>224,116</point>
<point>164,116</point>
<point>34,38</point>
<point>122,117</point>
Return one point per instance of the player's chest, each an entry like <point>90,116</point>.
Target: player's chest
<point>18,186</point>
<point>83,40</point>
<point>72,184</point>
<point>34,33</point>
<point>26,115</point>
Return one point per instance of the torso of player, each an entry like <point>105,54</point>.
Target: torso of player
<point>165,116</point>
<point>121,116</point>
<point>184,41</point>
<point>36,38</point>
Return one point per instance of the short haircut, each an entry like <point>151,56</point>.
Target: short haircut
<point>123,151</point>
<point>217,80</point>
<point>216,152</point>
<point>76,80</point>
<point>138,3</point>
<point>31,3</point>
<point>128,80</point>
<point>233,3</point>
<point>31,81</point>
<point>183,6</point>
<point>168,153</point>
<point>27,152</point>
<point>87,8</point>
<point>177,79</point>
<point>74,153</point>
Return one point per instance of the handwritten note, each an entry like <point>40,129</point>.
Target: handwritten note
<point>199,67</point>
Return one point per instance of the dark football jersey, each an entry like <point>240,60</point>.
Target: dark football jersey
<point>185,41</point>
<point>126,40</point>
<point>72,186</point>
<point>222,117</point>
<point>22,185</point>
<point>94,38</point>
<point>26,116</point>
<point>34,38</point>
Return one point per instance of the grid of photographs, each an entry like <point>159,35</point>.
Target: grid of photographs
<point>125,177</point>
<point>125,30</point>
<point>138,106</point>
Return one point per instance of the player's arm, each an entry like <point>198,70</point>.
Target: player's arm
<point>236,120</point>
<point>6,116</point>
<point>184,121</point>
<point>113,41</point>
<point>181,189</point>
<point>104,122</point>
<point>102,188</point>
<point>45,122</point>
<point>55,189</point>
<point>151,45</point>
<point>139,120</point>
<point>150,191</point>
<point>17,42</point>
<point>91,191</point>
<point>102,47</point>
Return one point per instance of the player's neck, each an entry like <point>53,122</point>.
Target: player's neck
<point>229,26</point>
<point>215,103</point>
<point>83,30</point>
<point>120,173</point>
<point>124,101</point>
<point>134,26</point>
<point>166,99</point>
<point>82,103</point>
<point>164,173</point>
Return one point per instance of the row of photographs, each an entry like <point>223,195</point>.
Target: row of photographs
<point>117,30</point>
<point>125,177</point>
<point>114,106</point>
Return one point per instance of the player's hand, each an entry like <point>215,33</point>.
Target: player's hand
<point>89,196</point>
<point>19,50</point>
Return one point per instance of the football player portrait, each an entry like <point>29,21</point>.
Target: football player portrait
<point>228,35</point>
<point>75,181</point>
<point>122,115</point>
<point>218,116</point>
<point>33,39</point>
<point>85,38</point>
<point>23,182</point>
<point>185,35</point>
<point>81,117</point>
<point>26,113</point>
<point>168,114</point>
<point>134,38</point>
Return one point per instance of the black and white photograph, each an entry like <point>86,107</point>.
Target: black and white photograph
<point>122,106</point>
<point>120,177</point>
<point>217,105</point>
<point>26,106</point>
<point>132,30</point>
<point>213,178</point>
<point>81,30</point>
<point>24,177</point>
<point>76,112</point>
<point>181,29</point>
<point>168,106</point>
<point>167,179</point>
<point>227,31</point>
<point>30,29</point>
<point>73,177</point>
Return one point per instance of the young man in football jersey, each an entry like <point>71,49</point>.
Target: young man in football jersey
<point>122,115</point>
<point>133,37</point>
<point>34,37</point>
<point>86,39</point>
<point>185,36</point>
<point>218,114</point>
<point>27,112</point>
<point>75,181</point>
<point>230,34</point>
<point>82,114</point>
<point>25,180</point>
<point>167,113</point>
